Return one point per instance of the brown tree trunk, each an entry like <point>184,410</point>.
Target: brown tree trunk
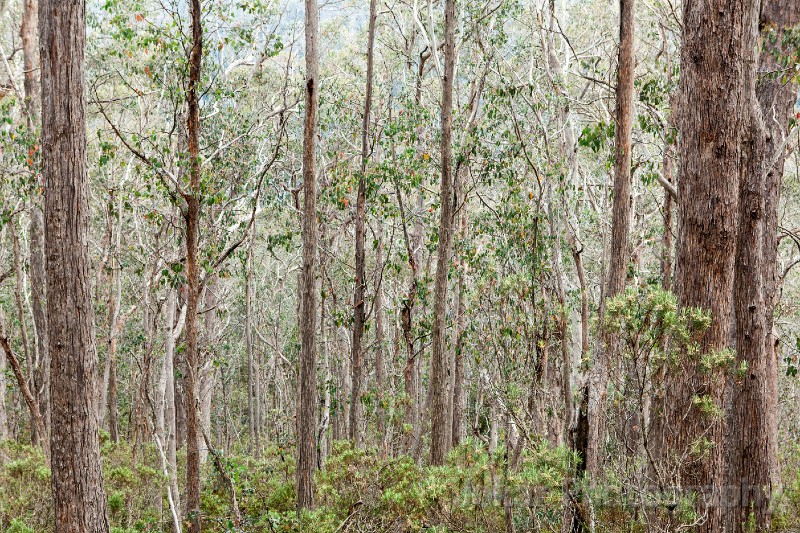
<point>717,60</point>
<point>441,418</point>
<point>307,402</point>
<point>356,407</point>
<point>777,100</point>
<point>597,379</point>
<point>620,230</point>
<point>79,499</point>
<point>751,441</point>
<point>192,220</point>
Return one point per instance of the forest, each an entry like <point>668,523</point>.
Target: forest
<point>399,266</point>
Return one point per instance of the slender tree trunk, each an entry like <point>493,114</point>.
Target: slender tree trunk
<point>620,228</point>
<point>114,321</point>
<point>777,101</point>
<point>37,435</point>
<point>168,427</point>
<point>307,412</point>
<point>41,371</point>
<point>666,237</point>
<point>192,220</point>
<point>79,499</point>
<point>252,375</point>
<point>356,407</point>
<point>441,418</point>
<point>717,60</point>
<point>380,340</point>
<point>37,422</point>
<point>459,393</point>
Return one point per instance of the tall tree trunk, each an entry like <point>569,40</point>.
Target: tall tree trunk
<point>751,441</point>
<point>307,412</point>
<point>359,317</point>
<point>777,101</point>
<point>30,54</point>
<point>717,60</point>
<point>79,499</point>
<point>192,220</point>
<point>620,230</point>
<point>441,418</point>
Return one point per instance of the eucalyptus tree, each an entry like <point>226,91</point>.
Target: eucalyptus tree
<point>79,499</point>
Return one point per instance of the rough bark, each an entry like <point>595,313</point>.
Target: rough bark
<point>192,220</point>
<point>751,440</point>
<point>717,59</point>
<point>359,314</point>
<point>79,499</point>
<point>441,418</point>
<point>307,397</point>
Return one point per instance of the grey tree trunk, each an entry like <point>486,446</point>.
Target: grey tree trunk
<point>79,499</point>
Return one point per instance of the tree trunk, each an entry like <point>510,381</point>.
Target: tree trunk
<point>359,317</point>
<point>441,418</point>
<point>777,101</point>
<point>166,426</point>
<point>380,340</point>
<point>79,499</point>
<point>252,375</point>
<point>37,422</point>
<point>620,227</point>
<point>307,412</point>
<point>41,371</point>
<point>459,393</point>
<point>717,60</point>
<point>192,220</point>
<point>751,442</point>
<point>620,233</point>
<point>37,435</point>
